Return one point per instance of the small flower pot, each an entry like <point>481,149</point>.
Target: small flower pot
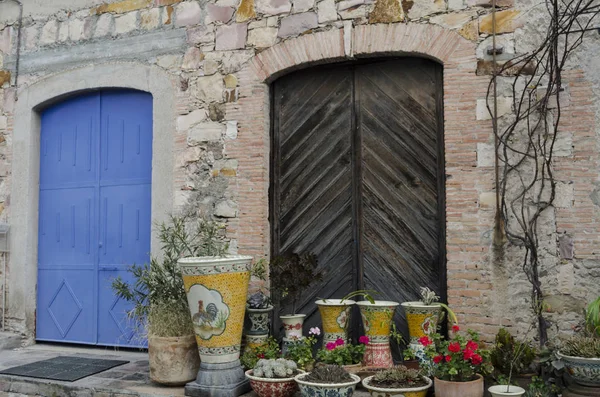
<point>258,319</point>
<point>292,326</point>
<point>411,364</point>
<point>309,389</point>
<point>377,322</point>
<point>391,392</point>
<point>335,314</point>
<point>584,371</point>
<point>266,387</point>
<point>501,390</point>
<point>446,388</point>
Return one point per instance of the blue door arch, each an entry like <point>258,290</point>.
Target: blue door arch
<point>94,214</point>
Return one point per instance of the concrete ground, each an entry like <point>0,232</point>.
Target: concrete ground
<point>128,380</point>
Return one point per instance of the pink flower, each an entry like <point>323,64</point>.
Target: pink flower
<point>314,331</point>
<point>364,340</point>
<point>425,341</point>
<point>339,342</point>
<point>455,328</point>
<point>330,346</point>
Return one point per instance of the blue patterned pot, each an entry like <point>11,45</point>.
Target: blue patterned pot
<point>309,389</point>
<point>585,371</point>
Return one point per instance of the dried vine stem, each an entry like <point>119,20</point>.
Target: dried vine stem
<point>525,145</point>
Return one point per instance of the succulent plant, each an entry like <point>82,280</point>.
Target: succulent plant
<point>328,373</point>
<point>428,297</point>
<point>581,346</point>
<point>258,300</point>
<point>275,369</point>
<point>398,377</point>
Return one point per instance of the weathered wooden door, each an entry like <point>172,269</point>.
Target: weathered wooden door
<point>357,178</point>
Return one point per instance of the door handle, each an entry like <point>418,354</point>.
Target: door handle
<point>109,268</point>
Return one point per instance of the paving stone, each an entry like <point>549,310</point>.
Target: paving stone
<point>218,13</point>
<point>273,7</point>
<point>188,13</point>
<point>298,23</point>
<point>302,5</point>
<point>507,21</point>
<point>49,32</point>
<point>104,25</point>
<point>326,11</point>
<point>387,11</point>
<point>126,23</point>
<point>231,37</point>
<point>262,37</point>
<point>150,19</point>
<point>245,11</point>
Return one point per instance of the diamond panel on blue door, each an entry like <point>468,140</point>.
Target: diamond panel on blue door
<point>94,214</point>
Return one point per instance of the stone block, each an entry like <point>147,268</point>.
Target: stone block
<point>504,107</point>
<point>104,25</point>
<point>485,155</point>
<point>507,21</point>
<point>455,5</point>
<point>245,11</point>
<point>49,32</point>
<point>188,13</point>
<point>261,23</point>
<point>262,37</point>
<point>167,15</point>
<point>231,131</point>
<point>506,41</point>
<point>226,209</point>
<point>563,145</point>
<point>5,40</point>
<point>192,58</point>
<point>566,278</point>
<point>150,19</point>
<point>505,68</point>
<point>230,81</point>
<point>31,36</point>
<point>75,29</point>
<point>488,3</point>
<point>454,20</point>
<point>209,88</point>
<point>205,132</point>
<point>121,7</point>
<point>298,23</point>
<point>169,61</point>
<point>218,13</point>
<point>231,37</point>
<point>3,123</point>
<point>63,32</point>
<point>302,5</point>
<point>387,11</point>
<point>346,4</point>
<point>126,23</point>
<point>563,195</point>
<point>487,200</point>
<point>200,35</point>
<point>273,7</point>
<point>210,67</point>
<point>9,98</point>
<point>273,22</point>
<point>326,11</point>
<point>421,8</point>
<point>470,31</point>
<point>354,13</point>
<point>191,119</point>
<point>160,3</point>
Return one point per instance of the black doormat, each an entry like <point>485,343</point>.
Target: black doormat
<point>65,368</point>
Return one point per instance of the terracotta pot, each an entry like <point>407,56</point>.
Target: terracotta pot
<point>377,322</point>
<point>265,387</point>
<point>444,388</point>
<point>390,392</point>
<point>173,361</point>
<point>411,364</point>
<point>292,326</point>
<point>335,314</point>
<point>259,321</point>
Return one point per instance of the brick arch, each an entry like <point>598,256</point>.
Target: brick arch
<point>462,132</point>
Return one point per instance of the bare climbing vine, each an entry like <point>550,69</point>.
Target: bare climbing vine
<point>525,140</point>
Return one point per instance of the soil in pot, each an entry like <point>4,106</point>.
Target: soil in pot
<point>398,385</point>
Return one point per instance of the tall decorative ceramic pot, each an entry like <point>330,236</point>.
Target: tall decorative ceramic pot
<point>335,315</point>
<point>254,341</point>
<point>259,321</point>
<point>422,321</point>
<point>377,321</point>
<point>217,288</point>
<point>445,388</point>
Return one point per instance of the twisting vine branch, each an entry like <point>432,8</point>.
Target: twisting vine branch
<point>525,145</point>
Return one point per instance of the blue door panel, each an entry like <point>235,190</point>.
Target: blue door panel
<point>65,307</point>
<point>94,214</point>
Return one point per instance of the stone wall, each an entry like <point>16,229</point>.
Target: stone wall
<point>220,56</point>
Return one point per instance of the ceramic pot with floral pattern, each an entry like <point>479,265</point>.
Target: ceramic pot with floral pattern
<point>335,314</point>
<point>292,326</point>
<point>584,371</point>
<point>259,321</point>
<point>268,387</point>
<point>310,389</point>
<point>375,391</point>
<point>422,319</point>
<point>377,322</point>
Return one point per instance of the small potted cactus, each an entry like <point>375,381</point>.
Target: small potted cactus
<point>327,380</point>
<point>397,382</point>
<point>274,378</point>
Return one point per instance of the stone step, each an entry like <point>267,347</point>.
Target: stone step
<point>9,341</point>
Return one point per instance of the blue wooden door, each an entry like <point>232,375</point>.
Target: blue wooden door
<point>94,214</point>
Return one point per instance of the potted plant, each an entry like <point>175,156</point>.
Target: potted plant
<point>290,276</point>
<point>327,380</point>
<point>344,354</point>
<point>458,364</point>
<point>274,378</point>
<point>216,284</point>
<point>580,353</point>
<point>269,350</point>
<point>335,315</point>
<point>258,306</point>
<point>510,359</point>
<point>377,322</point>
<point>397,382</point>
<point>300,350</point>
<point>160,309</point>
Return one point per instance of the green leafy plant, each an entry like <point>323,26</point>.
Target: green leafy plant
<point>539,388</point>
<point>580,345</point>
<point>429,297</point>
<point>398,377</point>
<point>329,374</point>
<point>301,352</point>
<point>342,353</point>
<point>400,344</point>
<point>510,356</point>
<point>160,305</point>
<point>275,368</point>
<point>291,275</point>
<point>269,350</point>
<point>259,299</point>
<point>592,317</point>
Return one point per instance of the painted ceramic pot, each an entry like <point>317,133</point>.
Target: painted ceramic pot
<point>584,371</point>
<point>502,390</point>
<point>265,387</point>
<point>292,326</point>
<point>259,321</point>
<point>445,388</point>
<point>377,322</point>
<point>422,319</point>
<point>390,392</point>
<point>309,389</point>
<point>216,289</point>
<point>335,314</point>
<point>254,341</point>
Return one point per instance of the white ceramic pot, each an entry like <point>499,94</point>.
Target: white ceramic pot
<point>389,392</point>
<point>292,325</point>
<point>309,389</point>
<point>501,390</point>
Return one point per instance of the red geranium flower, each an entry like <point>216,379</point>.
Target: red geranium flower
<point>339,342</point>
<point>448,359</point>
<point>455,328</point>
<point>330,346</point>
<point>467,354</point>
<point>364,340</point>
<point>472,345</point>
<point>476,359</point>
<point>438,359</point>
<point>261,355</point>
<point>454,347</point>
<point>425,341</point>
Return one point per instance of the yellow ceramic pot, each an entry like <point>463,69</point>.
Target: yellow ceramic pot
<point>335,315</point>
<point>422,319</point>
<point>216,289</point>
<point>377,321</point>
